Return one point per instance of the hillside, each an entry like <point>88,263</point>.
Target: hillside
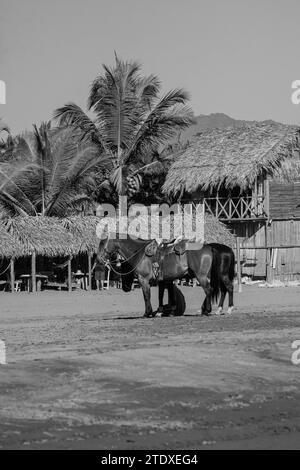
<point>210,121</point>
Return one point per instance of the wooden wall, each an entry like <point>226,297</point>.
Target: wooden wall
<point>256,262</point>
<point>284,200</point>
<point>286,232</point>
<point>251,234</point>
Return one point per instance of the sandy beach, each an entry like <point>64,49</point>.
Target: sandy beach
<point>85,370</point>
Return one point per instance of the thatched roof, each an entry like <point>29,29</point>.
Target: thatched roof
<point>214,230</point>
<point>235,156</point>
<point>217,232</point>
<point>50,236</point>
<point>83,231</point>
<point>9,246</point>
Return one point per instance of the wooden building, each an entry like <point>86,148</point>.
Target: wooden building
<point>249,178</point>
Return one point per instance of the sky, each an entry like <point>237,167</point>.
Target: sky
<point>237,57</point>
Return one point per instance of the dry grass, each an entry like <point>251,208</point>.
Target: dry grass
<point>214,230</point>
<point>50,236</point>
<point>235,157</point>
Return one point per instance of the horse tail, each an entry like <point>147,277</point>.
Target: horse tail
<point>231,272</point>
<point>214,277</point>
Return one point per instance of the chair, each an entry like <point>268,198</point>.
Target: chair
<point>3,284</point>
<point>17,285</point>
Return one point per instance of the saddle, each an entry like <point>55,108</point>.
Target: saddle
<point>179,247</point>
<point>169,259</point>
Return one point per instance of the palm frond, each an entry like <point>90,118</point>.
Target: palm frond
<point>117,179</point>
<point>4,127</point>
<point>153,168</point>
<point>162,123</point>
<point>72,115</point>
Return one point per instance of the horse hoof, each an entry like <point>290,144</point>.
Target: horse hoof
<point>230,310</point>
<point>148,315</point>
<point>159,314</point>
<point>219,311</point>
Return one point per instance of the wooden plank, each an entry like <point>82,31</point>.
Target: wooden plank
<point>12,275</point>
<point>284,200</point>
<point>89,287</point>
<point>33,271</point>
<point>266,203</point>
<point>238,264</point>
<point>70,274</point>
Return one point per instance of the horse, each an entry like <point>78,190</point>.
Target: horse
<point>176,304</point>
<point>199,263</point>
<point>225,261</point>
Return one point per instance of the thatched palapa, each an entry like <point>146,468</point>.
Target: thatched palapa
<point>48,236</point>
<point>51,236</point>
<point>235,156</point>
<point>9,245</point>
<point>214,230</point>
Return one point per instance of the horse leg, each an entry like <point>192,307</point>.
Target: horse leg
<point>147,295</point>
<point>222,298</point>
<point>205,284</point>
<point>162,285</point>
<point>229,288</point>
<point>171,299</point>
<point>203,306</point>
<point>161,291</point>
<point>230,294</point>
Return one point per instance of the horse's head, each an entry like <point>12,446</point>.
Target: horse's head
<point>107,248</point>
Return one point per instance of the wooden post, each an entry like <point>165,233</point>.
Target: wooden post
<point>255,198</point>
<point>12,275</point>
<point>238,264</point>
<point>269,266</point>
<point>70,274</point>
<point>33,271</point>
<point>266,202</point>
<point>269,241</point>
<point>90,271</point>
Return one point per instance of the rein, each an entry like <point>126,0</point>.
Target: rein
<point>122,262</point>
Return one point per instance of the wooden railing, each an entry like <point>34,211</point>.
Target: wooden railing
<point>235,208</point>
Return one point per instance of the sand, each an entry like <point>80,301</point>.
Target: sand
<point>85,370</point>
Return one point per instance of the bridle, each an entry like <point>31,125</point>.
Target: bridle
<point>106,260</point>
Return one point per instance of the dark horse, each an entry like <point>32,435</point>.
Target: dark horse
<point>224,262</point>
<point>202,263</point>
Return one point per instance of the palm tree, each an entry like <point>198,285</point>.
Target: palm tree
<point>4,144</point>
<point>50,172</point>
<point>131,123</point>
<point>4,126</point>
